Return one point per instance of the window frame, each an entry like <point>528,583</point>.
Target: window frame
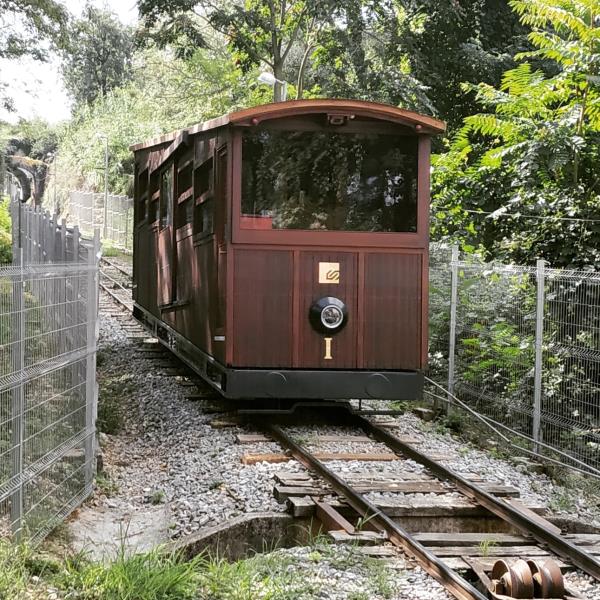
<point>417,239</point>
<point>168,167</point>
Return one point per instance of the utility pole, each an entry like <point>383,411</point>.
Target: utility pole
<point>105,186</point>
<point>104,137</point>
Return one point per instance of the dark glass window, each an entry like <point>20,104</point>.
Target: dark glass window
<point>185,212</point>
<point>166,198</point>
<point>204,218</point>
<point>329,181</point>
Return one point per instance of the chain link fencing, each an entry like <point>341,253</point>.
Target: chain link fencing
<point>87,211</point>
<point>48,396</point>
<point>520,347</point>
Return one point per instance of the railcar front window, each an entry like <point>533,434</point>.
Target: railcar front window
<point>316,180</point>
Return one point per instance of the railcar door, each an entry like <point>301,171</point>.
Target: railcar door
<point>221,195</point>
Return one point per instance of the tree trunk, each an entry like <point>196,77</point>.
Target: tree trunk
<point>278,87</point>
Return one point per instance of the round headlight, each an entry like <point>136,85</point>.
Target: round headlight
<point>332,316</point>
<point>328,315</point>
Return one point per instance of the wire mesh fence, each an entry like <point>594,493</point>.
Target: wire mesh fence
<point>521,346</point>
<point>87,211</point>
<point>48,313</point>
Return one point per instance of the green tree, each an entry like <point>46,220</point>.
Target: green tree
<point>259,32</point>
<point>523,178</point>
<point>449,42</point>
<point>365,56</point>
<point>29,28</point>
<point>98,56</point>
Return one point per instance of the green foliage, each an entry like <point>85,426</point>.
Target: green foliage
<point>5,232</point>
<point>265,576</point>
<point>259,32</point>
<point>98,56</point>
<point>152,576</point>
<point>14,574</point>
<point>165,94</point>
<point>522,177</point>
<point>27,27</point>
<point>27,23</point>
<point>449,42</point>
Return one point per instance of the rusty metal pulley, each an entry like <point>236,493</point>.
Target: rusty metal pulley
<point>547,579</point>
<point>525,580</point>
<point>514,581</point>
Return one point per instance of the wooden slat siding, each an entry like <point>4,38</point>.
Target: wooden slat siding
<point>234,183</point>
<point>203,275</point>
<point>393,311</point>
<point>262,306</point>
<point>360,312</point>
<point>312,345</point>
<point>423,192</point>
<point>222,170</point>
<point>296,310</point>
<point>187,277</point>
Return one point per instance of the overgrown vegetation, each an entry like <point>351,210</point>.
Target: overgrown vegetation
<point>521,179</point>
<point>160,575</point>
<point>5,232</point>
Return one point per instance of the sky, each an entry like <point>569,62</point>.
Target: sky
<point>37,88</point>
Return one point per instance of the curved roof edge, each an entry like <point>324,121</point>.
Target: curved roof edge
<point>277,110</point>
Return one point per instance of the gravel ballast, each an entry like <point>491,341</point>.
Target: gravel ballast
<point>167,453</point>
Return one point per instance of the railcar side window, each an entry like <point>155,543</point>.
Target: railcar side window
<point>329,181</point>
<point>204,218</point>
<point>166,198</point>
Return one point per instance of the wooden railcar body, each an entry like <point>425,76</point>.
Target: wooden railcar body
<point>231,293</point>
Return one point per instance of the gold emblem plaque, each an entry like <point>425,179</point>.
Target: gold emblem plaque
<point>329,272</point>
<point>328,349</point>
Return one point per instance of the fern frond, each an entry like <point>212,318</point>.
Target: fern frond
<point>492,126</point>
<point>541,13</point>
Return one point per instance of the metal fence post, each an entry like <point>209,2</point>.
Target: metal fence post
<point>18,399</point>
<point>452,333</point>
<point>91,400</point>
<point>539,338</point>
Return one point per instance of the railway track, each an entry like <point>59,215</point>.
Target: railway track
<point>345,504</point>
<point>116,281</point>
<point>344,507</point>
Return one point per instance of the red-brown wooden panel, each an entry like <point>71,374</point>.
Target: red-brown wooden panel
<point>392,312</point>
<point>262,308</point>
<point>312,343</point>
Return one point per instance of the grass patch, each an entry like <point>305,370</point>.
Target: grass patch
<point>267,576</point>
<point>151,576</point>
<point>15,577</point>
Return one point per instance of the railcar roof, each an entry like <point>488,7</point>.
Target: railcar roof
<point>277,110</point>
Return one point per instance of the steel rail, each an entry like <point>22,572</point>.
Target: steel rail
<point>560,546</point>
<point>120,301</point>
<point>452,581</point>
<point>117,267</point>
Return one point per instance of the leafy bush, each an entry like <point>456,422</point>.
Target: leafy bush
<point>5,233</point>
